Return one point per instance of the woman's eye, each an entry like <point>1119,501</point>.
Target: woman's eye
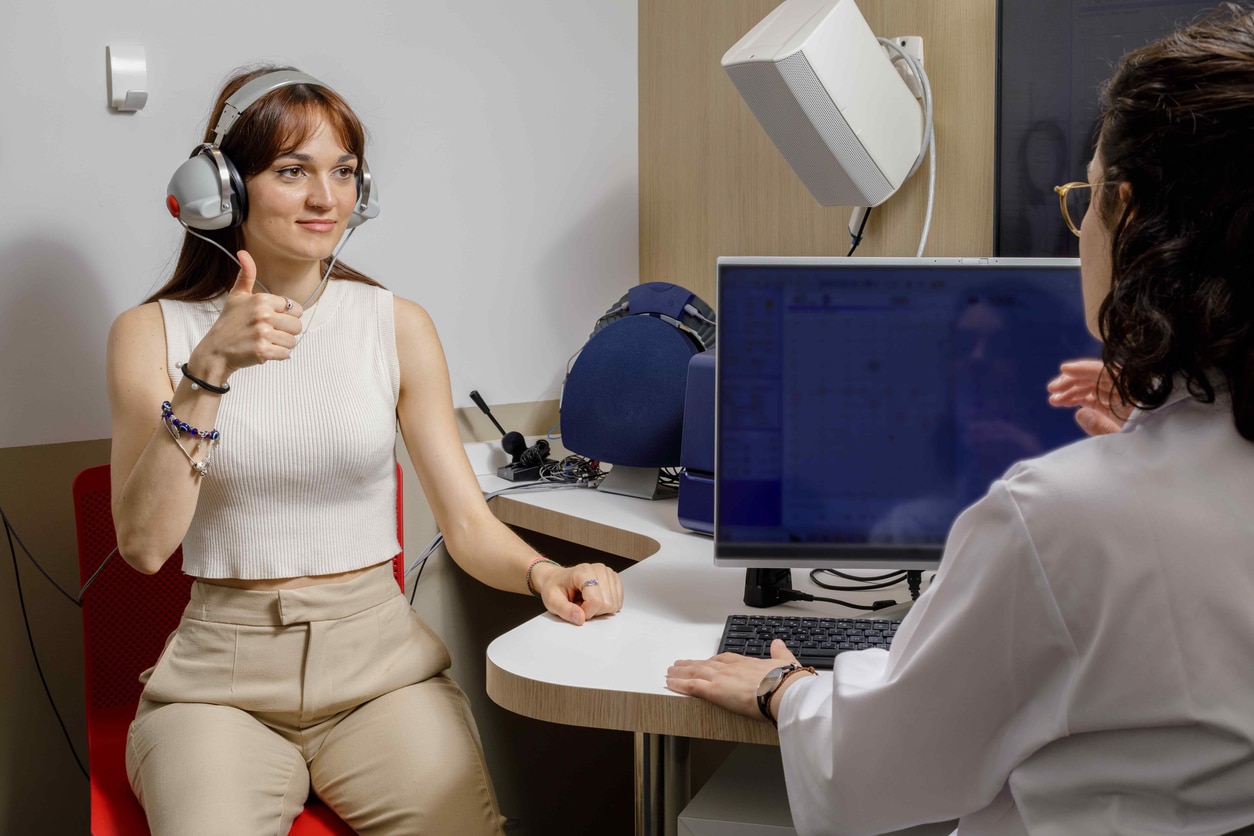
<point>347,172</point>
<point>290,172</point>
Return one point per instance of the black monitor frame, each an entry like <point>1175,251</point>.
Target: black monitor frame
<point>883,557</point>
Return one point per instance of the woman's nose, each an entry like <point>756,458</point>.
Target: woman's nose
<point>321,193</point>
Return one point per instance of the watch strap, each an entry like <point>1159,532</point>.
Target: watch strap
<point>764,700</point>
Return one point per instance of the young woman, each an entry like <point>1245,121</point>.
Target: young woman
<point>1081,662</point>
<point>255,410</point>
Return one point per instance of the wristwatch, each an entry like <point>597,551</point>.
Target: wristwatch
<point>771,683</point>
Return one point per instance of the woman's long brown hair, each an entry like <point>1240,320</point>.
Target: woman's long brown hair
<point>277,123</point>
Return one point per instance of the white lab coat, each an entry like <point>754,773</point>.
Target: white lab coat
<point>1083,663</point>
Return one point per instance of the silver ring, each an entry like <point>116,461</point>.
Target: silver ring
<point>289,303</point>
<point>592,582</point>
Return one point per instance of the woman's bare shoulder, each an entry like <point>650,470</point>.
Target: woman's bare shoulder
<point>137,338</point>
<point>409,312</point>
<point>414,326</point>
<point>139,320</point>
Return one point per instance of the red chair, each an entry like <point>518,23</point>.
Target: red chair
<point>126,618</point>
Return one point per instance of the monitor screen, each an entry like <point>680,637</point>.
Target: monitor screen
<point>862,403</point>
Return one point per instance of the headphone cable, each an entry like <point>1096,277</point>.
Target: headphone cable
<point>95,575</point>
<point>421,561</point>
<point>334,258</point>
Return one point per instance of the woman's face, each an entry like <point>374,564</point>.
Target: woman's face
<point>299,205</point>
<point>1094,252</point>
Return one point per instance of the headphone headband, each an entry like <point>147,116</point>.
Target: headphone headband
<point>247,95</point>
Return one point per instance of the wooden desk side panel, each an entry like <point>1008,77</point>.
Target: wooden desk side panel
<point>713,184</point>
<point>652,713</point>
<point>572,529</point>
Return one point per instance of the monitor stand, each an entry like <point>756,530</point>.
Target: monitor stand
<point>763,586</point>
<point>640,482</point>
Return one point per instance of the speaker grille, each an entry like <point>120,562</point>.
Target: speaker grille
<point>800,118</point>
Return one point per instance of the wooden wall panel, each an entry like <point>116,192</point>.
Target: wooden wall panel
<point>712,183</point>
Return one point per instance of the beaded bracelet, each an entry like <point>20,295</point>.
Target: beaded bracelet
<point>167,415</point>
<point>531,566</point>
<point>197,383</point>
<point>208,437</point>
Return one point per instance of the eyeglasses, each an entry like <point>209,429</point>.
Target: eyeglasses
<point>1074,200</point>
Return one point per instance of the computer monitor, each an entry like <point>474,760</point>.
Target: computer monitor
<point>862,403</point>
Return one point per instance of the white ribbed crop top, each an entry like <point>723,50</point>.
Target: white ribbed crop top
<point>303,481</point>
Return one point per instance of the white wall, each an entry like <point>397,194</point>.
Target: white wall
<point>504,143</point>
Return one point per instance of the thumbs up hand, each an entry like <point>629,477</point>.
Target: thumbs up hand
<point>252,329</point>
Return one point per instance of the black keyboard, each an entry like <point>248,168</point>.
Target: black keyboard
<point>813,640</point>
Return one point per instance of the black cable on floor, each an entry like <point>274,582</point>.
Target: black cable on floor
<point>17,577</point>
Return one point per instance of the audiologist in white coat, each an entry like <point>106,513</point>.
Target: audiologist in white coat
<point>1084,661</point>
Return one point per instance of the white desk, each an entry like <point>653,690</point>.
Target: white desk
<point>610,673</point>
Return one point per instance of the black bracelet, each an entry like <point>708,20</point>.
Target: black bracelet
<point>197,383</point>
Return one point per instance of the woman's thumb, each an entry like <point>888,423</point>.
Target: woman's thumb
<point>247,273</point>
<point>1095,423</point>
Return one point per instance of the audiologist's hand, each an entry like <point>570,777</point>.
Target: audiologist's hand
<point>1087,385</point>
<point>731,680</point>
<point>253,328</point>
<point>577,593</point>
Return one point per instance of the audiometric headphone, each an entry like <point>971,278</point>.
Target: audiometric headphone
<point>670,303</point>
<point>207,191</point>
<point>622,399</point>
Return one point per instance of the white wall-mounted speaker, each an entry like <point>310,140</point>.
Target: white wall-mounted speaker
<point>824,89</point>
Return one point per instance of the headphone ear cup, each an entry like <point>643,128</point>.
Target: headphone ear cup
<point>367,194</point>
<point>239,193</point>
<point>193,195</point>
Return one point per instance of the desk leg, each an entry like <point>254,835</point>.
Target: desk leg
<point>663,782</point>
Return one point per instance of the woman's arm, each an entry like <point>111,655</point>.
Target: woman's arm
<point>155,488</point>
<point>479,542</point>
<point>978,677</point>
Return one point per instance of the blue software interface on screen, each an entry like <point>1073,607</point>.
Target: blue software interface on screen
<point>870,405</point>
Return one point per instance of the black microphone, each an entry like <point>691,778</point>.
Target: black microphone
<point>482,404</point>
<point>512,442</point>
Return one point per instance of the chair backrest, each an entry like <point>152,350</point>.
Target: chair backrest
<point>128,615</point>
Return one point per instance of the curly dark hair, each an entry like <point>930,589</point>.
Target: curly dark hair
<point>1178,129</point>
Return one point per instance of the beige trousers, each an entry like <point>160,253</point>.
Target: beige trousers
<point>261,697</point>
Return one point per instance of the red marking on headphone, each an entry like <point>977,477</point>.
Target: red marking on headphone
<point>172,205</point>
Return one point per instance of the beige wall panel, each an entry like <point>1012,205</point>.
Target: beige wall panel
<point>41,789</point>
<point>530,419</point>
<point>712,183</point>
